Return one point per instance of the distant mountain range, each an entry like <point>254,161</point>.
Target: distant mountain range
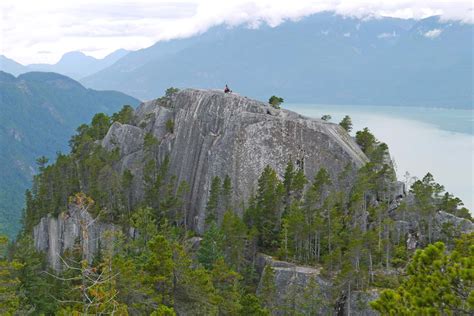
<point>324,58</point>
<point>39,113</point>
<point>73,64</point>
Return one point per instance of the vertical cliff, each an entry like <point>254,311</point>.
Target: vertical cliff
<point>54,236</point>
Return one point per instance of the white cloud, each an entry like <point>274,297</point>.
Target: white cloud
<point>98,27</point>
<point>387,35</point>
<point>433,33</point>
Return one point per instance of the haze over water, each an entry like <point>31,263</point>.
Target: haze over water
<point>421,140</point>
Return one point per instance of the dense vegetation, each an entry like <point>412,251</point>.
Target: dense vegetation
<point>39,112</point>
<point>350,234</point>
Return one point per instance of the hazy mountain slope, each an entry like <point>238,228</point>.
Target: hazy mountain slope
<point>73,64</point>
<point>39,112</point>
<point>78,65</point>
<point>323,58</point>
<point>11,66</point>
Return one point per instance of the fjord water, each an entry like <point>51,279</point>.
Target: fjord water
<point>421,140</point>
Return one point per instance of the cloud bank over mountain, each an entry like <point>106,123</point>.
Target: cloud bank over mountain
<point>43,31</point>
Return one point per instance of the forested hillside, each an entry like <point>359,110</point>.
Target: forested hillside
<point>343,238</point>
<point>39,112</point>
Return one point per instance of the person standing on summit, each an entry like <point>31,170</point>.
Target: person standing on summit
<point>227,90</point>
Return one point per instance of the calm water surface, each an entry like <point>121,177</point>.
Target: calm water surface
<point>421,140</point>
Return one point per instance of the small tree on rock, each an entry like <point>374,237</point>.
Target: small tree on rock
<point>275,101</point>
<point>326,117</point>
<point>346,123</point>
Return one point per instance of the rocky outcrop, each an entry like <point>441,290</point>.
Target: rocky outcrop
<point>76,227</point>
<point>358,303</point>
<point>207,133</point>
<point>444,219</point>
<point>409,225</point>
<point>291,281</point>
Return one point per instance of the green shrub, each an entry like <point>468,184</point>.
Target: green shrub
<point>170,126</point>
<point>275,101</point>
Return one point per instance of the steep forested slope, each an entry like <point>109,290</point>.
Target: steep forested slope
<point>38,114</point>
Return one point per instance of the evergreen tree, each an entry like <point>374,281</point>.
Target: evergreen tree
<point>234,233</point>
<point>145,225</point>
<point>437,284</point>
<point>268,207</point>
<point>251,306</point>
<point>366,140</point>
<point>9,283</point>
<point>227,194</point>
<point>212,207</point>
<point>267,291</point>
<point>194,289</point>
<point>211,247</point>
<point>159,268</point>
<point>226,282</point>
<point>426,192</point>
<point>311,300</point>
<point>275,101</point>
<point>346,123</point>
<point>124,116</point>
<point>37,287</point>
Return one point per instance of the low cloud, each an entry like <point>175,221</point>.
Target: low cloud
<point>60,26</point>
<point>433,33</point>
<point>387,35</point>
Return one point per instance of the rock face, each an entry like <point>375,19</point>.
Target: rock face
<point>358,303</point>
<point>54,236</point>
<point>409,224</point>
<point>290,281</point>
<point>208,133</point>
<point>465,226</point>
<point>289,276</point>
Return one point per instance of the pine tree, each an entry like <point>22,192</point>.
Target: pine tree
<point>145,226</point>
<point>37,287</point>
<point>213,201</point>
<point>269,207</point>
<point>311,300</point>
<point>426,193</point>
<point>252,306</point>
<point>194,288</point>
<point>211,247</point>
<point>124,116</point>
<point>9,283</point>
<point>346,123</point>
<point>227,194</point>
<point>366,140</point>
<point>159,268</point>
<point>267,290</point>
<point>226,282</point>
<point>438,283</point>
<point>234,233</point>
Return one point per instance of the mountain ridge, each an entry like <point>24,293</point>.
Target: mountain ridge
<point>329,60</point>
<point>73,64</point>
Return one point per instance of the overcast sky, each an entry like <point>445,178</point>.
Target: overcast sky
<point>41,31</point>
